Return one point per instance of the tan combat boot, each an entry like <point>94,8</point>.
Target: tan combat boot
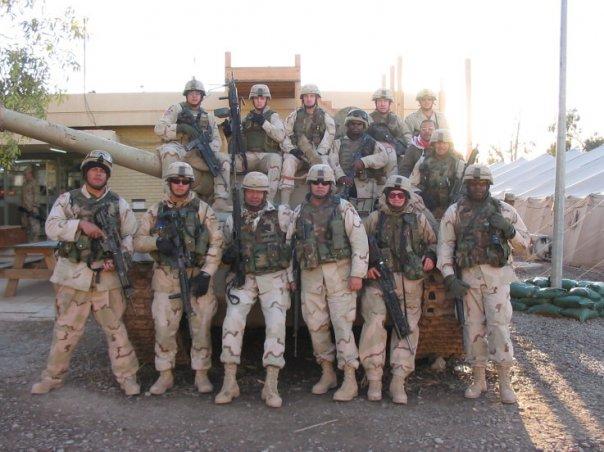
<point>285,196</point>
<point>163,383</point>
<point>328,379</point>
<point>230,388</point>
<point>374,393</point>
<point>397,389</point>
<point>506,392</point>
<point>479,383</point>
<point>349,389</point>
<point>45,385</point>
<point>130,386</point>
<point>270,391</point>
<point>203,383</point>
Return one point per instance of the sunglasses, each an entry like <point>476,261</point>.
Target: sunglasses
<point>180,181</point>
<point>320,182</point>
<point>396,195</point>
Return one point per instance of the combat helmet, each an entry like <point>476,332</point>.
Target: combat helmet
<point>322,173</point>
<point>260,90</point>
<point>255,180</point>
<point>179,169</point>
<point>425,93</point>
<point>441,135</point>
<point>478,171</point>
<point>310,89</point>
<point>194,85</point>
<point>398,182</point>
<point>383,93</point>
<point>357,115</point>
<point>97,158</point>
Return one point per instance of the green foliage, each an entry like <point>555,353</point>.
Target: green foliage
<point>573,131</point>
<point>35,49</point>
<point>593,142</point>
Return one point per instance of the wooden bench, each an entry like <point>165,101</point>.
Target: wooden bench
<point>28,253</point>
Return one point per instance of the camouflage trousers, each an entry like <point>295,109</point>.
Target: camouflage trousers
<point>32,227</point>
<point>488,313</point>
<point>268,163</point>
<point>272,292</point>
<point>175,152</point>
<point>72,310</point>
<point>325,296</point>
<point>372,347</point>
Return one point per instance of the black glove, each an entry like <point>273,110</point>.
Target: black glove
<point>498,222</point>
<point>297,153</point>
<point>456,287</point>
<point>229,256</point>
<point>258,118</point>
<point>187,129</point>
<point>165,246</point>
<point>226,128</point>
<point>200,284</point>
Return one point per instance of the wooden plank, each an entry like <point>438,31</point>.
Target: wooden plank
<point>11,286</point>
<point>25,273</point>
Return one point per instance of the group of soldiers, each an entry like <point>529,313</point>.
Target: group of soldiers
<point>387,196</point>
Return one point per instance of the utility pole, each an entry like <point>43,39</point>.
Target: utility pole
<point>558,239</point>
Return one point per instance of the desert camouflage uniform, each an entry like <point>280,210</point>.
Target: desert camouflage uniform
<point>81,290</point>
<point>487,307</point>
<point>394,124</point>
<point>173,149</point>
<point>372,346</point>
<point>413,122</point>
<point>28,200</point>
<point>325,292</point>
<point>168,312</point>
<point>271,289</point>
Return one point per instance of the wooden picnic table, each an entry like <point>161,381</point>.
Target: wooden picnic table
<point>27,253</point>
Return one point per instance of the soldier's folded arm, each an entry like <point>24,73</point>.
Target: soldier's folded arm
<point>379,158</point>
<point>216,239</point>
<point>58,226</point>
<point>330,132</point>
<point>358,240</point>
<point>274,128</point>
<point>144,242</point>
<point>286,144</point>
<point>446,241</point>
<point>165,127</point>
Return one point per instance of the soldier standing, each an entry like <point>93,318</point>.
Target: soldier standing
<point>182,123</point>
<point>360,163</point>
<point>331,248</point>
<point>477,234</point>
<point>202,238</point>
<point>406,242</point>
<point>309,134</point>
<point>439,175</point>
<point>267,257</point>
<point>412,123</point>
<point>263,134</point>
<point>387,127</point>
<point>29,201</point>
<point>85,275</point>
<point>416,148</point>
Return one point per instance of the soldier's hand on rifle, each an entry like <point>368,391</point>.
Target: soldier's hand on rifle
<point>499,222</point>
<point>258,118</point>
<point>358,165</point>
<point>355,283</point>
<point>226,128</point>
<point>165,246</point>
<point>200,284</point>
<point>346,181</point>
<point>187,129</point>
<point>230,255</point>
<point>297,153</point>
<point>428,264</point>
<point>456,287</point>
<point>185,117</point>
<point>108,265</point>
<point>292,286</point>
<point>373,273</point>
<point>90,229</point>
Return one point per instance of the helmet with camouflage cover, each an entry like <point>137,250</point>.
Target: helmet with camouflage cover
<point>97,158</point>
<point>425,94</point>
<point>398,182</point>
<point>310,89</point>
<point>357,115</point>
<point>255,180</point>
<point>441,135</point>
<point>322,173</point>
<point>260,90</point>
<point>194,85</point>
<point>383,93</point>
<point>179,169</point>
<point>478,171</point>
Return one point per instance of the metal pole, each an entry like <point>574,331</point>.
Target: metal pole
<point>558,239</point>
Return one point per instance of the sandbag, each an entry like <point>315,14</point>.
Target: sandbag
<point>522,290</point>
<point>517,305</point>
<point>573,301</point>
<point>581,314</point>
<point>545,309</point>
<point>568,283</point>
<point>534,301</point>
<point>585,292</point>
<point>550,292</point>
<point>539,281</point>
<point>598,287</point>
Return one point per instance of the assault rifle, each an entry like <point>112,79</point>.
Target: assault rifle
<point>380,132</point>
<point>296,301</point>
<point>112,245</point>
<point>456,190</point>
<point>391,300</point>
<point>31,214</point>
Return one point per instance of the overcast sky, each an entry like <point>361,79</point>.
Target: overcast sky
<point>153,46</point>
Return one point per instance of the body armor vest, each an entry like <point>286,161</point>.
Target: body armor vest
<point>477,241</point>
<point>354,150</point>
<point>264,247</point>
<point>203,121</point>
<point>85,248</point>
<point>388,121</point>
<point>400,243</point>
<point>194,234</point>
<point>313,126</point>
<point>255,138</point>
<point>437,179</point>
<point>320,234</point>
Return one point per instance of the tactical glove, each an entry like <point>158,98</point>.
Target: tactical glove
<point>165,246</point>
<point>187,129</point>
<point>297,153</point>
<point>258,118</point>
<point>498,222</point>
<point>200,284</point>
<point>229,256</point>
<point>456,287</point>
<point>226,128</point>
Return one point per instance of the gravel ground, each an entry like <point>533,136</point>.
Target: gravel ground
<point>559,381</point>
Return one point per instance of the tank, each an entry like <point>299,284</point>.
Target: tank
<point>440,333</point>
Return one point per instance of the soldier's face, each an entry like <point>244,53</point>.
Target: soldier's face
<point>194,98</point>
<point>477,189</point>
<point>96,177</point>
<point>382,105</point>
<point>259,102</point>
<point>320,189</point>
<point>426,103</point>
<point>180,187</point>
<point>426,130</point>
<point>354,129</point>
<point>254,198</point>
<point>309,100</point>
<point>442,147</point>
<point>397,198</point>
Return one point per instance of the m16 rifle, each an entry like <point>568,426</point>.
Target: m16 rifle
<point>296,301</point>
